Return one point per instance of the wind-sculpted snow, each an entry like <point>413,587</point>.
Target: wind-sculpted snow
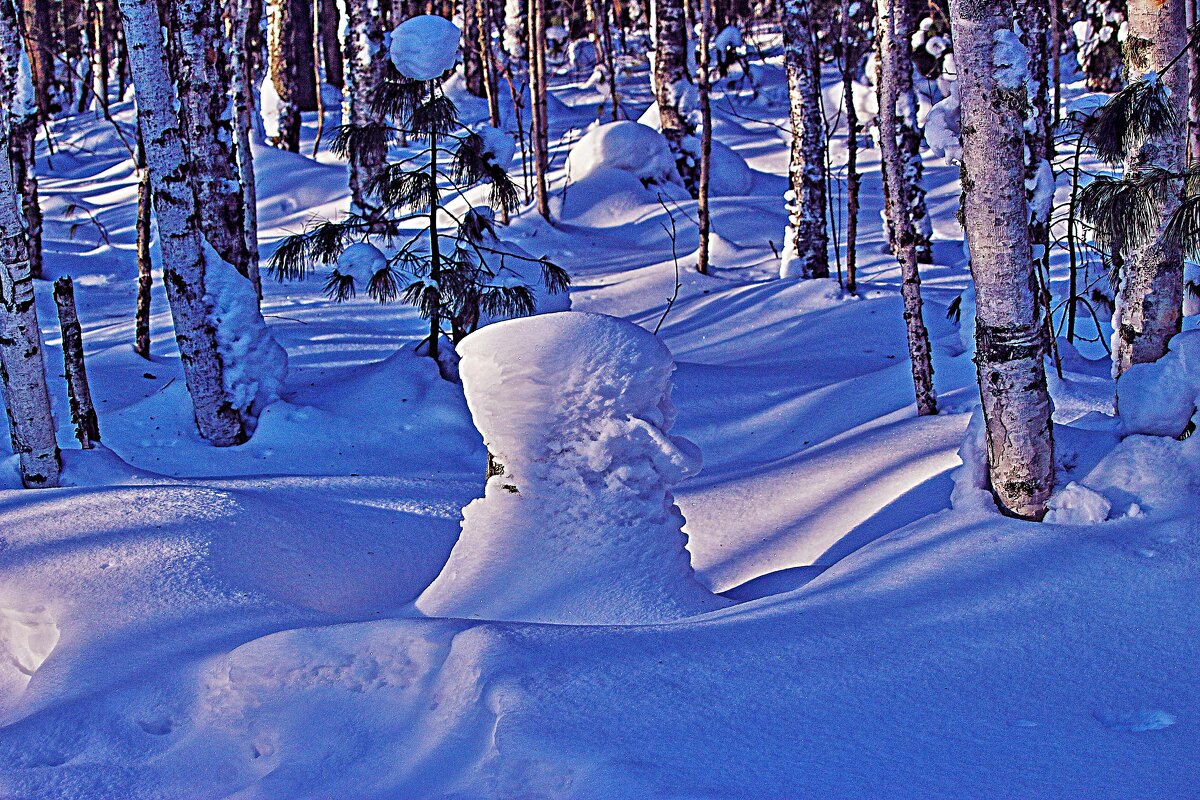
<point>580,526</point>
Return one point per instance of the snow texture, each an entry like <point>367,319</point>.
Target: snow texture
<point>1011,60</point>
<point>426,47</point>
<point>255,366</point>
<point>1075,504</point>
<point>498,145</point>
<point>1160,398</point>
<point>361,261</point>
<point>581,526</point>
<point>628,147</point>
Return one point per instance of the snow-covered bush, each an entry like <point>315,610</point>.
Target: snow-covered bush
<point>628,147</point>
<point>580,524</point>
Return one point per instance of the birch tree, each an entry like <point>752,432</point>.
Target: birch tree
<point>1010,336</point>
<point>1150,294</point>
<point>672,85</point>
<point>22,360</point>
<point>21,99</point>
<point>899,206</point>
<point>179,235</point>
<point>366,65</point>
<point>895,67</point>
<point>202,76</point>
<point>540,132</point>
<point>805,252</point>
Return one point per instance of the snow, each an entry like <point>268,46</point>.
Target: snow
<point>362,261</point>
<point>254,364</point>
<point>242,622</point>
<point>425,47</point>
<point>1160,398</point>
<point>581,526</point>
<point>943,127</point>
<point>497,144</point>
<point>627,146</point>
<point>1011,60</point>
<point>1075,504</point>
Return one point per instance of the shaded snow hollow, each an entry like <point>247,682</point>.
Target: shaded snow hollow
<point>581,525</point>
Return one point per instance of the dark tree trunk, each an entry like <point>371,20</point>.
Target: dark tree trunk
<point>83,412</point>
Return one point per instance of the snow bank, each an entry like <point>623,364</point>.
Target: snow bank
<point>254,363</point>
<point>27,636</point>
<point>581,525</point>
<point>1075,504</point>
<point>425,47</point>
<point>625,146</point>
<point>1159,399</point>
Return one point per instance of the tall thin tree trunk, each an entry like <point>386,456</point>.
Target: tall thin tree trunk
<point>83,412</point>
<point>538,108</point>
<point>705,135</point>
<point>329,32</point>
<point>896,67</point>
<point>672,84</point>
<point>20,98</point>
<point>202,75</point>
<point>145,265</point>
<point>899,208</point>
<point>1150,296</point>
<point>39,44</point>
<point>178,227</point>
<point>292,68</point>
<point>853,178</point>
<point>1010,337</point>
<point>472,55</point>
<point>245,118</point>
<point>515,28</point>
<point>806,252</point>
<point>366,65</point>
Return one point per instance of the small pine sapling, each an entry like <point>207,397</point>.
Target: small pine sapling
<point>414,246</point>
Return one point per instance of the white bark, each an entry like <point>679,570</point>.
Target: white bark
<point>206,114</point>
<point>1010,336</point>
<point>366,64</point>
<point>893,47</point>
<point>805,252</point>
<point>672,85</point>
<point>22,362</point>
<point>179,235</point>
<point>514,28</point>
<point>1150,297</point>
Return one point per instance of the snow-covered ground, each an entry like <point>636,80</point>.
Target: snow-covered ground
<point>185,621</point>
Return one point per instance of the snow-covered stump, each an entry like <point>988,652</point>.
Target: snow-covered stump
<point>580,525</point>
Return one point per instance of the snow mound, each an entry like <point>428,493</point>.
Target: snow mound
<point>1159,399</point>
<point>580,526</point>
<point>625,146</point>
<point>1078,505</point>
<point>255,365</point>
<point>27,638</point>
<point>425,47</point>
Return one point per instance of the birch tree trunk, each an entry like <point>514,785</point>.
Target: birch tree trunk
<point>1150,296</point>
<point>538,110</point>
<point>705,137</point>
<point>896,69</point>
<point>1193,115</point>
<point>21,100</point>
<point>806,251</point>
<point>178,227</point>
<point>898,202</point>
<point>1010,337</point>
<point>672,85</point>
<point>202,76</point>
<point>366,64</point>
<point>83,412</point>
<point>246,121</point>
<point>22,360</point>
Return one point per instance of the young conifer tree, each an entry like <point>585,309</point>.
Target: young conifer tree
<point>415,247</point>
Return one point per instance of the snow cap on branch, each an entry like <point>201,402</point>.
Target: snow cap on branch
<point>425,47</point>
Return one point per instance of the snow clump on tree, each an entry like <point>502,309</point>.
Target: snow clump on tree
<point>425,47</point>
<point>579,525</point>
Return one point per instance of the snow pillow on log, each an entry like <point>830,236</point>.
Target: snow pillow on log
<point>580,525</point>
